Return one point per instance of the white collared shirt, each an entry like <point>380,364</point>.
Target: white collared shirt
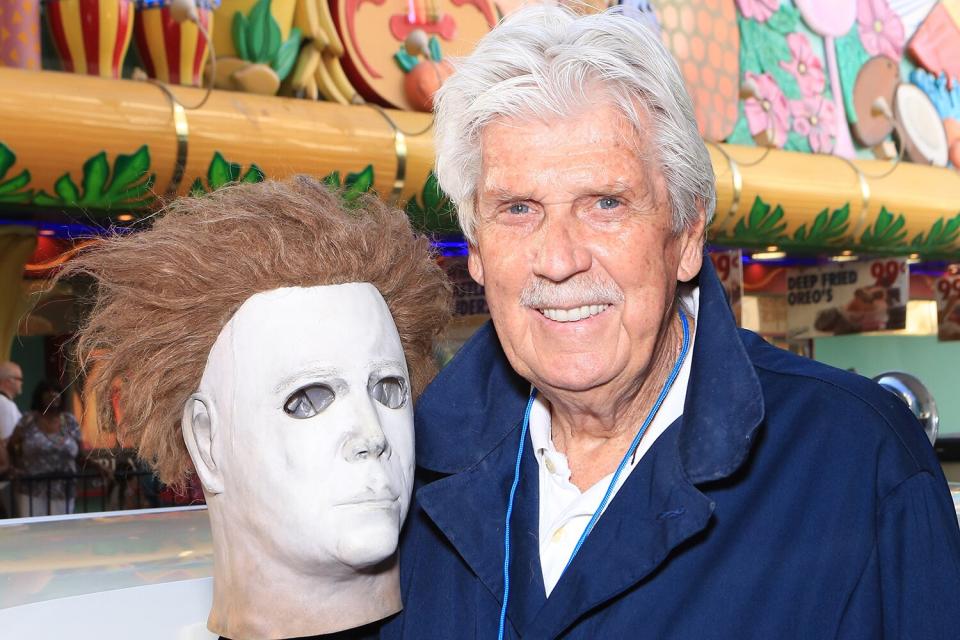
<point>564,510</point>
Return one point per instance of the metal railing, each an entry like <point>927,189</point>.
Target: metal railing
<point>108,481</point>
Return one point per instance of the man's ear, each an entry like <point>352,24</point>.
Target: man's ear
<point>475,263</point>
<point>691,248</point>
<point>199,427</point>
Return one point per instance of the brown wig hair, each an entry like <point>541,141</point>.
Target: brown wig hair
<point>164,294</point>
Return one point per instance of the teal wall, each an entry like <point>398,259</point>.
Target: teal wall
<point>28,352</point>
<point>936,364</point>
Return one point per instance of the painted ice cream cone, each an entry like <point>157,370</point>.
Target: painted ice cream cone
<point>91,36</point>
<point>173,52</point>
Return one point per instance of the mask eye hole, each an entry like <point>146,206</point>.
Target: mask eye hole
<point>309,401</point>
<point>390,391</point>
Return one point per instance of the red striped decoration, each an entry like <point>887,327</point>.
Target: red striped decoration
<point>126,16</point>
<point>171,35</point>
<point>55,20</point>
<point>78,26</point>
<point>90,19</point>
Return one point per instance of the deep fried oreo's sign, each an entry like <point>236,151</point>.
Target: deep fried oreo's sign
<point>847,298</point>
<point>814,289</point>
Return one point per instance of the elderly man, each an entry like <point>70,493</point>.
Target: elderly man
<point>612,458</point>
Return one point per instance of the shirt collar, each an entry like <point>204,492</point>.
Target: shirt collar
<point>672,408</point>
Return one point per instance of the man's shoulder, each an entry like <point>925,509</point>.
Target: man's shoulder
<point>815,401</point>
<point>9,416</point>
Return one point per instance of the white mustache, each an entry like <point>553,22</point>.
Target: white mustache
<point>576,292</point>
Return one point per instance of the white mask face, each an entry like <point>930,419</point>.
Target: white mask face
<point>313,425</point>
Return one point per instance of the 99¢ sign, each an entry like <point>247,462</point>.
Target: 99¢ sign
<point>729,268</point>
<point>850,297</point>
<point>948,304</point>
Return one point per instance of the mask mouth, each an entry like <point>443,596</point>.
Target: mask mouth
<point>574,314</point>
<point>377,500</point>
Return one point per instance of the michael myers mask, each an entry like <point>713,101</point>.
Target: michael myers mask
<point>302,434</point>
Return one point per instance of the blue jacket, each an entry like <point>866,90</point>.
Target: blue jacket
<point>791,500</point>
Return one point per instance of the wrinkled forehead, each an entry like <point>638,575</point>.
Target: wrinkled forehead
<point>337,326</point>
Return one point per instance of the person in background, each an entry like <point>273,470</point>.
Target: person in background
<point>11,383</point>
<point>46,442</point>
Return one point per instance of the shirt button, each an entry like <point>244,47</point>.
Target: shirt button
<point>557,535</point>
<point>550,466</point>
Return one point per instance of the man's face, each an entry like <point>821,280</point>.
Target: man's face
<point>11,380</point>
<point>575,248</point>
<point>315,442</point>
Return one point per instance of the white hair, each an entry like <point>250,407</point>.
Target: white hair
<point>538,63</point>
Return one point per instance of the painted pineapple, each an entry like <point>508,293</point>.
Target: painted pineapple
<point>705,40</point>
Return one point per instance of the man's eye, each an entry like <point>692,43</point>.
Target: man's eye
<point>309,401</point>
<point>518,209</point>
<point>391,392</point>
<point>608,203</point>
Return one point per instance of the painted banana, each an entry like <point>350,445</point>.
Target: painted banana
<point>335,70</point>
<point>306,17</point>
<point>327,86</point>
<point>335,46</point>
<point>306,67</point>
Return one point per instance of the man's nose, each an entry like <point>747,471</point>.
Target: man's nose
<point>367,440</point>
<point>561,254</point>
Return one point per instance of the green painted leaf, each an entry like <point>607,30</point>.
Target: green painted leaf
<point>129,170</point>
<point>7,159</point>
<point>827,227</point>
<point>886,232</point>
<point>839,220</point>
<point>761,225</point>
<point>258,33</point>
<point>358,183</point>
<point>96,173</point>
<point>404,60</point>
<point>287,54</point>
<point>15,183</point>
<point>67,190</point>
<point>274,39</point>
<point>433,198</point>
<point>332,180</point>
<point>414,212</point>
<point>435,54</point>
<point>197,189</point>
<point>784,20</point>
<point>218,173</point>
<point>253,174</point>
<point>239,29</point>
<point>941,237</point>
<point>136,195</point>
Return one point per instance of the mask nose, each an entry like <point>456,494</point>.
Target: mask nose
<point>367,440</point>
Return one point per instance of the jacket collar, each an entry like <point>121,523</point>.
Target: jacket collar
<point>478,400</point>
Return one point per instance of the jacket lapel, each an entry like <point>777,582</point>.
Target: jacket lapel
<point>470,508</point>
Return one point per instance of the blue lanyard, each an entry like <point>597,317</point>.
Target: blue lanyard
<point>631,450</point>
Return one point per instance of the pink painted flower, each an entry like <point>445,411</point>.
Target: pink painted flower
<point>816,118</point>
<point>881,30</point>
<point>759,10</point>
<point>767,111</point>
<point>804,65</point>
